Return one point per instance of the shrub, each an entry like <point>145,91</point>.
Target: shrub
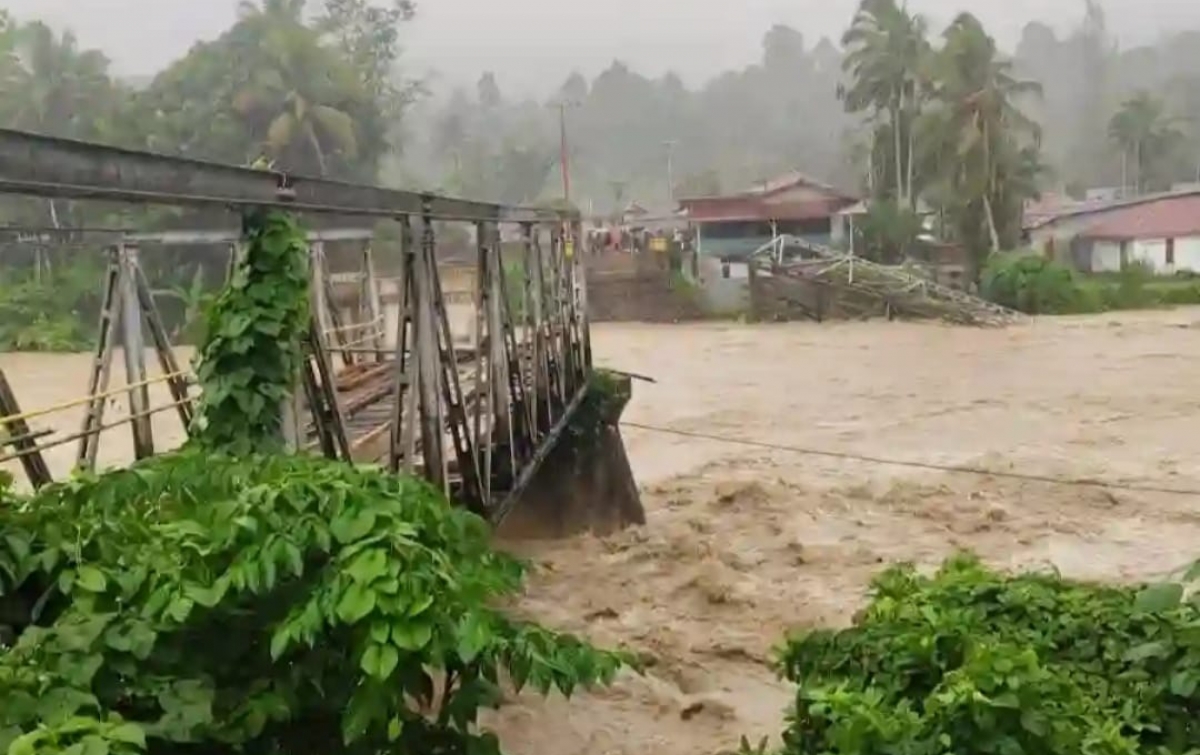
<point>970,661</point>
<point>1030,283</point>
<point>260,603</point>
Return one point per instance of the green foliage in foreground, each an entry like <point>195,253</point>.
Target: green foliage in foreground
<point>971,661</point>
<point>264,604</point>
<point>1032,284</point>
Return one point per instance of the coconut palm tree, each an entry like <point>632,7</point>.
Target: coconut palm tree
<point>299,91</point>
<point>52,87</point>
<point>985,143</point>
<point>1143,131</point>
<point>885,49</point>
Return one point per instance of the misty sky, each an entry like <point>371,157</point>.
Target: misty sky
<point>533,44</point>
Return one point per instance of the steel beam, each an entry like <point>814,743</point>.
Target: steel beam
<point>31,164</point>
<point>229,236</point>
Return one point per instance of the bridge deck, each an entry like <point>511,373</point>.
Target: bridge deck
<point>367,402</point>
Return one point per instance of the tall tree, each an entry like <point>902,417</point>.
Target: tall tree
<point>886,49</point>
<point>985,145</point>
<point>53,87</point>
<point>1145,135</point>
<point>296,99</point>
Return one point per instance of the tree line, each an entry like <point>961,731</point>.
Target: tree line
<point>893,109</point>
<point>310,86</point>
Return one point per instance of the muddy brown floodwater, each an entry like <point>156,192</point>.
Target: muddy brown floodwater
<point>745,543</point>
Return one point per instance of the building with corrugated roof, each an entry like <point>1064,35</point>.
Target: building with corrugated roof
<point>1065,230</point>
<point>1163,234</point>
<point>731,226</point>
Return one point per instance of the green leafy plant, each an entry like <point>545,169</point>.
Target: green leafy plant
<point>267,603</point>
<point>252,348</point>
<point>194,301</point>
<point>971,661</point>
<point>1030,283</point>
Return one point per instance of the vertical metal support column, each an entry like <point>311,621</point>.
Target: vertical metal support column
<point>432,419</point>
<point>406,378</point>
<point>101,369</point>
<point>484,405</point>
<point>373,303</point>
<point>581,306</point>
<point>133,344</point>
<point>499,386</point>
<point>556,319</point>
<point>15,431</point>
<point>527,350</point>
<point>177,382</point>
<point>320,305</point>
<point>542,332</point>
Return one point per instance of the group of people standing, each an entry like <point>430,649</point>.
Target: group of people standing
<point>637,240</point>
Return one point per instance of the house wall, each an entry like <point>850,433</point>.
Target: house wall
<point>733,240</point>
<point>1106,255</point>
<point>1187,254</point>
<point>1060,233</point>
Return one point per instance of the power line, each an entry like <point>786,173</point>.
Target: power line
<point>960,469</point>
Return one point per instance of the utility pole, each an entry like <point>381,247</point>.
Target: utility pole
<point>564,152</point>
<point>670,145</point>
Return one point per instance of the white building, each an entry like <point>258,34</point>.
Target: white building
<point>1161,231</point>
<point>1163,235</point>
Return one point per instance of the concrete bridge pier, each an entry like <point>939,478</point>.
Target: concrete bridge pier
<point>585,484</point>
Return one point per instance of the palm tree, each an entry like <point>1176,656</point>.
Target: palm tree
<point>885,49</point>
<point>52,87</point>
<point>1142,129</point>
<point>981,132</point>
<point>298,93</point>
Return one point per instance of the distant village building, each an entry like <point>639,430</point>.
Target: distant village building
<point>732,226</point>
<point>1160,231</point>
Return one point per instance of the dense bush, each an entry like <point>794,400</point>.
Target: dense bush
<point>262,603</point>
<point>970,661</point>
<point>1030,283</point>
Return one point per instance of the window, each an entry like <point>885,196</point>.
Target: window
<point>1170,251</point>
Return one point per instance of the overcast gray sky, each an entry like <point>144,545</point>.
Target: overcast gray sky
<point>533,44</point>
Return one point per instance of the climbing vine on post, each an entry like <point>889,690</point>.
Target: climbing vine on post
<point>252,349</point>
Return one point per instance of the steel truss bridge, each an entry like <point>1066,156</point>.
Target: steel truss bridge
<point>382,384</point>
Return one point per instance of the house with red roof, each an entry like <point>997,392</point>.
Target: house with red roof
<point>1162,231</point>
<point>1163,235</point>
<point>732,226</point>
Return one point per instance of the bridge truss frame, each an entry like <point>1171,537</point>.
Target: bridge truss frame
<point>533,356</point>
